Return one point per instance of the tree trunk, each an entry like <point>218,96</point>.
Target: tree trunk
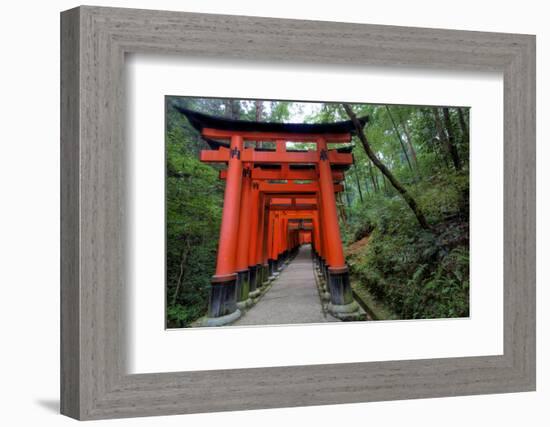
<point>184,254</point>
<point>385,171</point>
<point>451,140</point>
<point>347,195</point>
<point>409,140</point>
<point>232,109</point>
<point>463,127</point>
<point>358,182</point>
<point>373,179</point>
<point>367,186</point>
<point>235,110</point>
<point>396,130</point>
<point>444,140</point>
<point>228,104</point>
<point>258,110</point>
<point>342,211</point>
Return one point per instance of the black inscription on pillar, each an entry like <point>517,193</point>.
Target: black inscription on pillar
<point>235,153</point>
<point>324,155</point>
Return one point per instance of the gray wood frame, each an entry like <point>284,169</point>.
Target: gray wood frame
<point>94,41</point>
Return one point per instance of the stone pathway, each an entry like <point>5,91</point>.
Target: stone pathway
<point>293,297</point>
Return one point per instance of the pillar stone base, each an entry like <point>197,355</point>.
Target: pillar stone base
<point>243,305</point>
<point>345,312</point>
<point>265,274</point>
<point>339,286</point>
<point>254,295</point>
<point>243,289</point>
<point>342,305</point>
<point>343,308</point>
<point>222,306</point>
<point>222,320</point>
<point>272,265</point>
<point>253,273</point>
<point>266,288</point>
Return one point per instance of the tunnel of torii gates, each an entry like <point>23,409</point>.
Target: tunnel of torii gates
<point>275,200</point>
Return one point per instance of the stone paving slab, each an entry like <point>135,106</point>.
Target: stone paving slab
<point>293,297</point>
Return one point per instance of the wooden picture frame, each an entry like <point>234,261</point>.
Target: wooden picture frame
<point>94,41</point>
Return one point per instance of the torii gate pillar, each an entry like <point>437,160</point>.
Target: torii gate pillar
<point>241,264</point>
<point>341,298</point>
<point>254,268</point>
<point>222,307</point>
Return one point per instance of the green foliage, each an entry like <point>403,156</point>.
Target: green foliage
<point>194,197</point>
<point>416,273</point>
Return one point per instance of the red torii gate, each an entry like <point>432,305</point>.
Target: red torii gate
<point>255,235</point>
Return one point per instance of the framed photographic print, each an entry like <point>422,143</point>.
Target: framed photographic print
<point>261,213</point>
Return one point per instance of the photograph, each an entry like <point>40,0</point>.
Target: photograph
<point>285,212</point>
